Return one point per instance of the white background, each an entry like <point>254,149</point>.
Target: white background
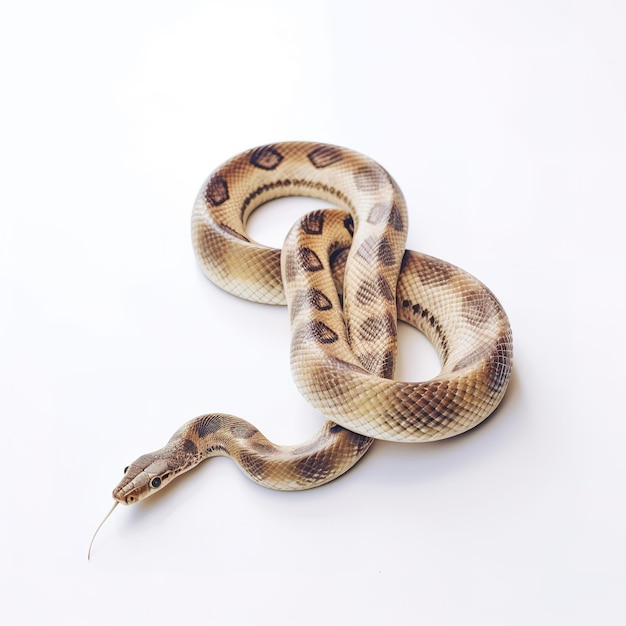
<point>504,124</point>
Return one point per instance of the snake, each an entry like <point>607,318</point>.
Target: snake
<point>347,279</point>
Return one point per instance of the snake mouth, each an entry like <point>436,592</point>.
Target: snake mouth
<point>126,493</point>
<point>132,486</point>
<point>127,500</point>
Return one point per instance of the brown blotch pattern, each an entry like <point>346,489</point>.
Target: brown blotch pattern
<point>312,298</point>
<point>313,223</point>
<point>309,261</point>
<point>322,333</point>
<point>371,290</point>
<point>266,158</point>
<point>314,468</point>
<point>324,156</point>
<point>499,366</point>
<point>373,249</point>
<point>216,191</point>
<point>243,429</point>
<point>369,178</point>
<point>382,213</point>
<point>318,300</point>
<point>373,327</point>
<point>349,225</point>
<point>208,424</point>
<point>189,447</point>
<point>295,184</point>
<point>480,306</point>
<point>434,273</point>
<point>385,253</point>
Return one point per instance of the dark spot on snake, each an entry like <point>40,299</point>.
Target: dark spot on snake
<point>367,249</point>
<point>318,300</point>
<point>266,158</point>
<point>500,363</point>
<point>378,213</point>
<point>309,261</point>
<point>396,218</point>
<point>373,249</point>
<point>217,448</point>
<point>384,289</point>
<point>299,184</point>
<point>337,259</point>
<point>383,213</point>
<point>313,468</point>
<point>243,429</point>
<point>313,223</point>
<point>416,309</point>
<point>434,272</point>
<point>369,178</point>
<point>373,327</point>
<point>322,333</point>
<point>263,447</point>
<point>216,191</point>
<point>371,290</point>
<point>385,253</point>
<point>349,225</point>
<point>324,156</point>
<point>480,305</point>
<point>366,292</point>
<point>190,447</point>
<point>405,304</point>
<point>208,424</point>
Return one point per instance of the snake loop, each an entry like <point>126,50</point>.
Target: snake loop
<point>347,279</point>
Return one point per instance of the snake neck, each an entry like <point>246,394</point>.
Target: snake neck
<point>286,468</point>
<point>329,454</point>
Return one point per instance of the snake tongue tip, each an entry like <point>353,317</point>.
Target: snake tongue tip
<point>99,527</point>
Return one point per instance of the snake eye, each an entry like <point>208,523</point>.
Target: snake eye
<point>126,469</point>
<point>155,482</point>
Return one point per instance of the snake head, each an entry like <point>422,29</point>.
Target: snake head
<point>143,477</point>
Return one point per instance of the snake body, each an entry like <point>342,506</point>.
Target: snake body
<point>346,278</point>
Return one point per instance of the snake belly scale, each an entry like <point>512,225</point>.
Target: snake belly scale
<point>346,277</point>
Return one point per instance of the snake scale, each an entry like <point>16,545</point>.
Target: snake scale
<point>346,277</point>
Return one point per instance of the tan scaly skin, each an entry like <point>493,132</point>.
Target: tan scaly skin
<point>342,358</point>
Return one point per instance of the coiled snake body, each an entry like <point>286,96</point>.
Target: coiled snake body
<point>342,357</point>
